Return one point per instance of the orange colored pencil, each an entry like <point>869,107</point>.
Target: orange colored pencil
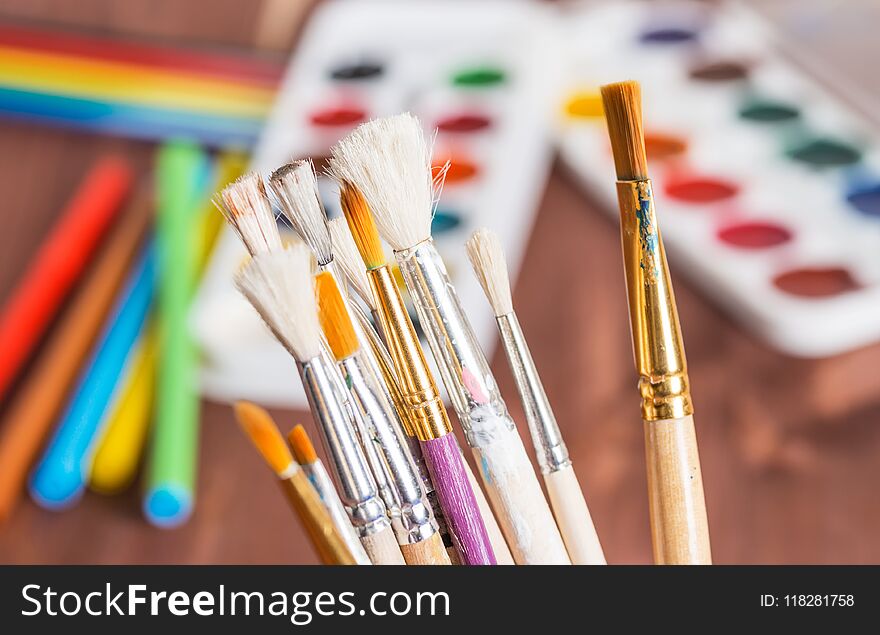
<point>42,394</point>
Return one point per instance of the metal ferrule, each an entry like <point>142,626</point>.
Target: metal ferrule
<point>378,466</point>
<point>546,437</point>
<point>384,433</point>
<point>331,409</point>
<point>421,400</point>
<point>463,365</point>
<point>657,343</point>
<point>385,370</point>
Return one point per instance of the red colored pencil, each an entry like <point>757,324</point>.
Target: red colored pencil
<point>237,68</point>
<point>58,263</point>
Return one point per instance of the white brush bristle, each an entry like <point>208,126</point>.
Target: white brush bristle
<point>389,161</point>
<point>487,258</point>
<point>280,287</point>
<point>296,188</point>
<point>346,256</point>
<point>245,207</point>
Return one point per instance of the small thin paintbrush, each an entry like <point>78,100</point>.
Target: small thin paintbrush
<point>427,414</point>
<point>679,528</point>
<point>259,427</point>
<point>572,514</point>
<point>304,453</point>
<point>388,160</point>
<point>419,538</point>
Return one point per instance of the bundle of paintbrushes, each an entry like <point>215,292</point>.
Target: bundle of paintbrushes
<point>404,491</point>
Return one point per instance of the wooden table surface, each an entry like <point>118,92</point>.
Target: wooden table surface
<point>789,447</point>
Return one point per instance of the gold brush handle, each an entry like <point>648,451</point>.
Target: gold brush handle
<point>324,535</point>
<point>679,528</point>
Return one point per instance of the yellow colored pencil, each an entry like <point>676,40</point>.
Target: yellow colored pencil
<point>126,83</point>
<point>118,455</point>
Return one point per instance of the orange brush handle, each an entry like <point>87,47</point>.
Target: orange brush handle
<point>41,396</point>
<point>58,263</point>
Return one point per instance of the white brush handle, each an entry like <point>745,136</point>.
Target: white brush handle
<point>499,545</point>
<point>516,495</point>
<point>382,547</point>
<point>573,517</point>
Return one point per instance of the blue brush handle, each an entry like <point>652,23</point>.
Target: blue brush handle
<point>61,475</point>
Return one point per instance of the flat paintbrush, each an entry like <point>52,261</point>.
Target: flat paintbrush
<point>679,527</point>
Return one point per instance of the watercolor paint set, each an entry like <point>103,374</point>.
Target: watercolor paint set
<point>767,185</point>
<point>475,75</point>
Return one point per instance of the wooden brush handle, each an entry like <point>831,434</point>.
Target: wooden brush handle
<point>679,529</point>
<point>496,537</point>
<point>518,501</point>
<point>382,547</point>
<point>430,551</point>
<point>573,517</point>
<point>325,536</point>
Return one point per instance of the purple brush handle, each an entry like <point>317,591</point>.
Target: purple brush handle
<point>445,464</point>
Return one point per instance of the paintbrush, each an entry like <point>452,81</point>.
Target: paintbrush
<point>418,537</point>
<point>679,527</point>
<point>351,264</point>
<point>246,207</point>
<point>569,507</point>
<point>264,434</point>
<point>388,160</point>
<point>427,415</point>
<point>305,455</point>
<point>295,187</point>
<point>279,286</point>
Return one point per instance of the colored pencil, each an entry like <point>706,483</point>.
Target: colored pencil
<point>119,450</point>
<point>60,477</point>
<point>171,468</point>
<point>124,84</point>
<point>246,69</point>
<point>41,396</point>
<point>138,122</point>
<point>59,262</point>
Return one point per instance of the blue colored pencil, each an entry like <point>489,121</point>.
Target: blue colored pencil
<point>61,475</point>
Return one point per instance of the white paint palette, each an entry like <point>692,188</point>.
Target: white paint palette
<point>479,73</point>
<point>766,185</point>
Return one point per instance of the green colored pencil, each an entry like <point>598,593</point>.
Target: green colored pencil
<point>172,462</point>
